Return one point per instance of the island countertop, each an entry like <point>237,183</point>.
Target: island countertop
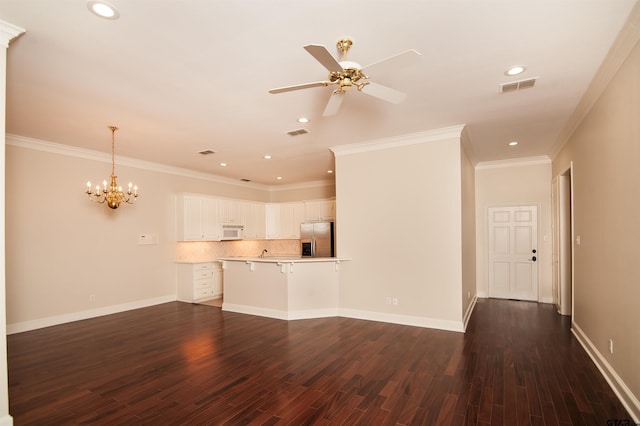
<point>282,259</point>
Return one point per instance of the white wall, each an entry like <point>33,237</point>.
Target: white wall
<point>398,205</point>
<point>522,182</point>
<point>62,249</point>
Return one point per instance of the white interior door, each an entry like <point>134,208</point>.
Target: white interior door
<point>513,266</point>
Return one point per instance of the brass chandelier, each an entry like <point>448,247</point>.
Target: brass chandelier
<point>112,194</point>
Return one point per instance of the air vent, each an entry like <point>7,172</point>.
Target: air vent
<point>297,132</point>
<point>207,152</point>
<point>518,85</point>
<point>245,180</point>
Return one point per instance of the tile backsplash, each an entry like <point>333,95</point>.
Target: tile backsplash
<point>206,251</point>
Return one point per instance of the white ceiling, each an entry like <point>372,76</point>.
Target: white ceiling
<point>182,76</point>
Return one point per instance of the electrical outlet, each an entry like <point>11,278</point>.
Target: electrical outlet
<point>468,295</point>
<point>610,346</point>
<point>395,301</point>
<point>92,298</point>
<point>388,300</point>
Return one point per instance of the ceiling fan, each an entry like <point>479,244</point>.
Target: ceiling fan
<point>347,74</point>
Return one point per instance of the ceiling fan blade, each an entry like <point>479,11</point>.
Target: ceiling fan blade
<point>298,87</point>
<point>385,93</point>
<point>334,104</point>
<point>323,56</point>
<point>404,59</point>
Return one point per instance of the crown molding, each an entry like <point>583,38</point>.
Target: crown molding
<point>8,32</point>
<point>627,39</point>
<point>70,151</point>
<point>398,141</point>
<point>514,162</point>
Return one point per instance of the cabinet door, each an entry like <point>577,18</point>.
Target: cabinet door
<point>230,212</point>
<point>320,210</point>
<point>291,216</point>
<point>192,219</point>
<point>210,221</point>
<point>253,219</point>
<point>272,216</point>
<point>217,282</point>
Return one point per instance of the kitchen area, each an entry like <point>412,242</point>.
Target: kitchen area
<point>269,259</point>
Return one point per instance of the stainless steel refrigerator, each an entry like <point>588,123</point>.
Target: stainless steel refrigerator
<point>317,239</point>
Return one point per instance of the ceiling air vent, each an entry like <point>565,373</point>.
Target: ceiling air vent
<point>518,85</point>
<point>297,132</point>
<point>207,152</point>
<point>245,180</point>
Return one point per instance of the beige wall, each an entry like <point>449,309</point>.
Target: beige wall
<point>62,249</point>
<point>303,192</point>
<point>399,219</point>
<point>513,184</point>
<point>605,150</point>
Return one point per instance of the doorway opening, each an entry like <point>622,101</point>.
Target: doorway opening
<point>563,242</point>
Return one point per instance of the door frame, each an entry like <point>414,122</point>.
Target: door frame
<point>565,232</point>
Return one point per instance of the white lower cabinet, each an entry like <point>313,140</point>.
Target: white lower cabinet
<point>199,281</point>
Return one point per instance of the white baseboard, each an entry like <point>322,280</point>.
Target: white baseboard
<point>278,314</point>
<point>546,300</point>
<point>622,391</point>
<point>415,321</point>
<point>347,313</point>
<point>20,327</point>
<point>6,420</point>
<point>482,295</point>
<point>467,315</point>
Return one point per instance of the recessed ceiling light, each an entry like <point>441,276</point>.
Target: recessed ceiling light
<point>267,157</point>
<point>515,70</point>
<point>279,178</point>
<point>303,120</point>
<point>103,9</point>
<point>223,164</point>
<point>329,171</point>
<point>513,143</point>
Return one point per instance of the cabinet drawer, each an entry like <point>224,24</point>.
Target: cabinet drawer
<point>207,283</point>
<point>200,293</point>
<point>197,267</point>
<point>200,275</point>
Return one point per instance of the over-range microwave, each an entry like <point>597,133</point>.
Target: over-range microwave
<point>232,232</point>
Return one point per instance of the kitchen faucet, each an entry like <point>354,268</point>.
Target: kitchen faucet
<point>262,254</point>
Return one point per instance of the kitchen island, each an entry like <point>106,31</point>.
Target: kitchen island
<point>285,288</point>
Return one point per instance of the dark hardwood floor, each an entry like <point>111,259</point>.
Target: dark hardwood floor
<point>179,363</point>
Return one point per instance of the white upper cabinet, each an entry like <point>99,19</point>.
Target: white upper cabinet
<point>230,212</point>
<point>200,218</point>
<point>318,210</point>
<point>197,218</point>
<point>291,216</point>
<point>253,217</point>
<point>272,221</point>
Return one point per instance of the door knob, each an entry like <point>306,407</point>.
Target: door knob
<point>533,251</point>
<point>533,258</point>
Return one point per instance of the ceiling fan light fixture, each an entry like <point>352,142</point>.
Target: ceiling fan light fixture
<point>103,9</point>
<point>302,120</point>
